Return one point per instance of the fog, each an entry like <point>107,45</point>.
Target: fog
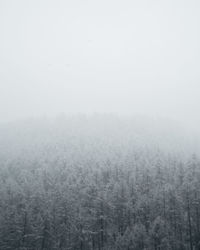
<point>124,57</point>
<point>99,125</point>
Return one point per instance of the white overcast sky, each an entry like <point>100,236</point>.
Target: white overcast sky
<point>79,56</point>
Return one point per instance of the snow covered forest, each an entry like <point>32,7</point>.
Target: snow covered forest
<point>99,183</point>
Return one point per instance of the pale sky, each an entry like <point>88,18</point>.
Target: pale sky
<point>78,56</point>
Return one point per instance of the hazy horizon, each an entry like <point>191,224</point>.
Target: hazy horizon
<point>135,57</point>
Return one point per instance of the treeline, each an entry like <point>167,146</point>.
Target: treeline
<point>82,194</point>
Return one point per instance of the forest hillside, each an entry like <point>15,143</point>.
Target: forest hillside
<point>99,182</point>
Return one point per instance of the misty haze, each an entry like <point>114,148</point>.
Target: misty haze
<point>99,125</point>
